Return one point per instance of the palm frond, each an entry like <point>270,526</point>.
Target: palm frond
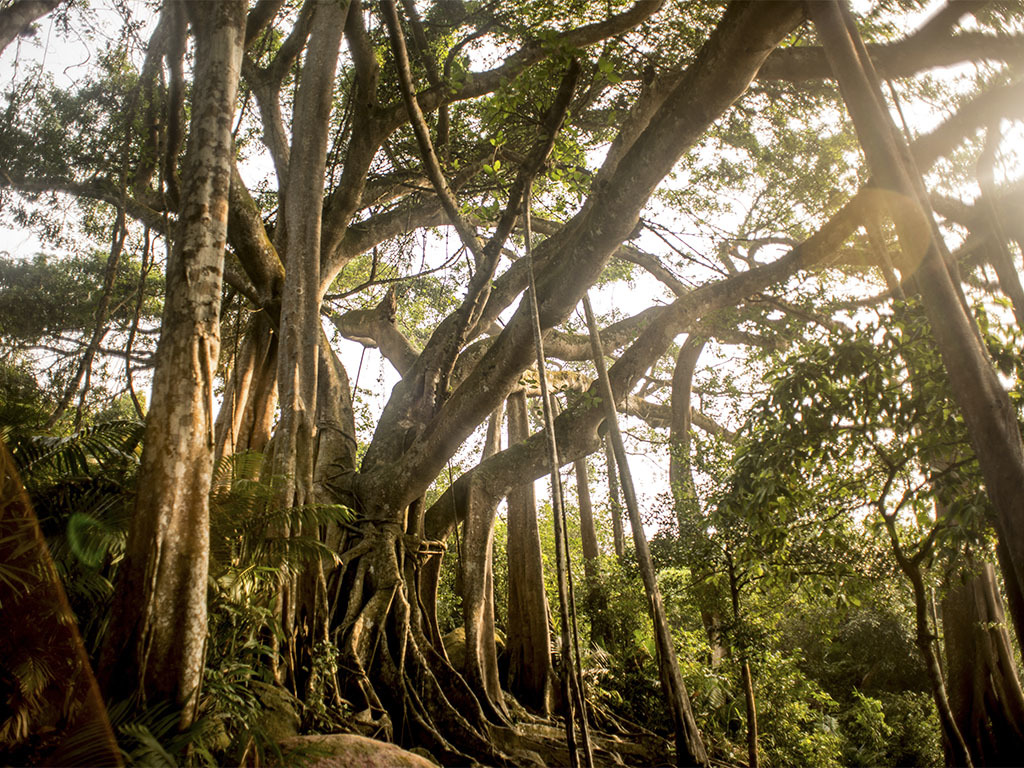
<point>92,539</point>
<point>46,458</point>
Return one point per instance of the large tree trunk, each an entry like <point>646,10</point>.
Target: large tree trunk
<point>528,639</point>
<point>984,690</point>
<point>989,415</point>
<point>158,628</point>
<point>481,668</point>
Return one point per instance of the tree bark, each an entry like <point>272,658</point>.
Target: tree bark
<point>158,630</point>
<point>528,639</point>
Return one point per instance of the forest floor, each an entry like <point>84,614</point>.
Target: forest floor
<point>548,743</point>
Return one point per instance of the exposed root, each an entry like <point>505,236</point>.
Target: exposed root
<point>389,662</point>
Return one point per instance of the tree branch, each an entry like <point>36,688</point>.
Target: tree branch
<point>903,58</point>
<point>16,18</point>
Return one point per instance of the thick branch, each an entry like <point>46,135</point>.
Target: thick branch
<point>900,59</point>
<point>376,327</point>
<point>721,72</point>
<point>18,17</point>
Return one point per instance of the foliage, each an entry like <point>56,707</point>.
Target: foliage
<point>82,488</point>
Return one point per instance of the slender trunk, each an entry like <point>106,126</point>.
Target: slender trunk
<point>300,330</point>
<point>300,306</point>
<point>246,415</point>
<point>588,533</point>
<point>680,472</point>
<point>528,641</point>
<point>746,676</point>
<point>614,502</point>
<point>595,594</point>
<point>99,328</point>
<point>1014,594</point>
<point>689,744</point>
<point>684,490</point>
<point>572,679</point>
<point>953,739</point>
<point>989,415</point>
<point>158,629</point>
<point>748,696</point>
<point>481,666</point>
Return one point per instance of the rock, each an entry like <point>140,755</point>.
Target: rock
<point>279,719</point>
<point>455,646</point>
<point>346,750</point>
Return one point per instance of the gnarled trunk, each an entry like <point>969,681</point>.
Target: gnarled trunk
<point>392,669</point>
<point>158,628</point>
